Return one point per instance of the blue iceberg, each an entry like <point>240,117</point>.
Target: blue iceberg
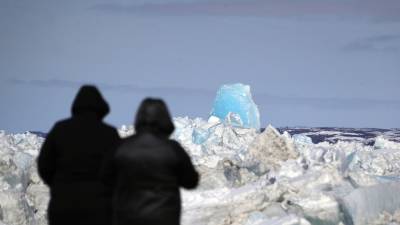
<point>236,99</point>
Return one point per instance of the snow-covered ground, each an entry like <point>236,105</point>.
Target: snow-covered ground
<point>247,177</point>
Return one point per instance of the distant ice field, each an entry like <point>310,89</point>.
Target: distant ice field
<point>330,134</point>
<point>335,134</point>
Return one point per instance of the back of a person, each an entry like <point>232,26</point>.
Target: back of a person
<point>148,159</point>
<point>147,189</point>
<point>148,169</point>
<point>70,160</point>
<point>81,149</point>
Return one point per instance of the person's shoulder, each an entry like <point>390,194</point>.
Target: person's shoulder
<point>174,143</point>
<point>130,138</point>
<point>62,123</point>
<point>58,127</point>
<point>109,127</point>
<point>128,141</point>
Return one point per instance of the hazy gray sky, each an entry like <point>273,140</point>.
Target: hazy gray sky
<point>308,62</point>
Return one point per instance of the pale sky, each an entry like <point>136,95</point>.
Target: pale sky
<point>308,62</point>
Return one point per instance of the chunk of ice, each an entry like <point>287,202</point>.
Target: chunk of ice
<point>302,139</point>
<point>364,204</point>
<point>236,98</point>
<point>382,143</point>
<point>200,135</point>
<point>233,119</point>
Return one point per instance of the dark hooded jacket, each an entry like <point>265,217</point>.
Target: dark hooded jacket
<point>148,169</point>
<point>70,160</point>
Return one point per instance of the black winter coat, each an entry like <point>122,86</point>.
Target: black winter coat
<point>70,160</point>
<point>147,171</point>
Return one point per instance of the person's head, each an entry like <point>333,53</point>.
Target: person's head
<point>90,100</point>
<point>153,116</point>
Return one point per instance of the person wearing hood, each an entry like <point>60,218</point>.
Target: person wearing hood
<point>70,160</point>
<point>148,169</point>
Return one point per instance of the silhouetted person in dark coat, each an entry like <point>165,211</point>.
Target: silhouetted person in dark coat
<point>148,169</point>
<point>70,160</point>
